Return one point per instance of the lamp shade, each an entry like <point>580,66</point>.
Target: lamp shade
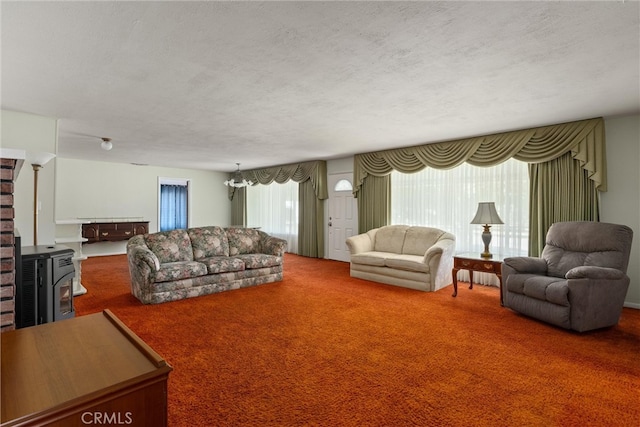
<point>39,158</point>
<point>486,214</point>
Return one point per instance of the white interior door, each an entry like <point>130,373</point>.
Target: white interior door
<point>343,215</point>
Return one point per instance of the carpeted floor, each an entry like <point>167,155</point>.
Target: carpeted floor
<point>323,349</point>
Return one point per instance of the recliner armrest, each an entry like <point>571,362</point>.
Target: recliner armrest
<point>592,272</point>
<point>528,265</point>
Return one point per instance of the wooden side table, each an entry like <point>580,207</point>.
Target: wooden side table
<point>474,262</point>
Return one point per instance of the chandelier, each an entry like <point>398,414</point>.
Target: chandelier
<point>237,180</point>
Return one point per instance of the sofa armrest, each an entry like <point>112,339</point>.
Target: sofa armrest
<point>361,242</point>
<point>592,272</point>
<point>274,246</point>
<point>439,258</point>
<point>141,255</point>
<point>529,265</point>
<point>143,267</point>
<point>441,247</point>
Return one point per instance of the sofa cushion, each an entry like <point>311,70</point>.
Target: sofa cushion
<point>208,242</point>
<point>370,258</point>
<point>407,262</point>
<point>170,246</point>
<point>259,260</point>
<point>222,264</point>
<point>418,240</point>
<point>390,239</point>
<point>244,241</point>
<point>180,270</point>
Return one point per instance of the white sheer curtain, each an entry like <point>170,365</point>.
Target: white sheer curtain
<point>274,208</point>
<point>448,199</point>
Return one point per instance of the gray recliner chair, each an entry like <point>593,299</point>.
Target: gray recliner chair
<point>579,282</point>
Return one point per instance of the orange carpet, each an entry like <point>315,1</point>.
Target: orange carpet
<point>323,349</point>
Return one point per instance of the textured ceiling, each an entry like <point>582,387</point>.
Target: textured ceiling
<point>207,84</point>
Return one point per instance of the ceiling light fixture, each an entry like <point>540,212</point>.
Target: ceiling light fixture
<point>237,181</point>
<point>106,144</point>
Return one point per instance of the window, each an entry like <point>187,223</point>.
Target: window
<point>174,204</point>
<point>448,199</point>
<point>343,185</point>
<point>274,208</point>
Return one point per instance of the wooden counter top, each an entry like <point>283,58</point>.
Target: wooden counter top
<point>59,373</point>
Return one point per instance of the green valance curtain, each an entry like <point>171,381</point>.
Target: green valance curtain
<point>312,177</point>
<point>315,171</point>
<point>584,140</point>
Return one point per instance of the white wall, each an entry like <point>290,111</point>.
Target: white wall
<point>31,133</point>
<point>342,165</point>
<point>90,189</point>
<point>621,203</point>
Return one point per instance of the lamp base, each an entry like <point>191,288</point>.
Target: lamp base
<point>486,239</point>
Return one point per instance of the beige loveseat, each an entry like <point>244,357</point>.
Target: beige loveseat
<point>413,257</point>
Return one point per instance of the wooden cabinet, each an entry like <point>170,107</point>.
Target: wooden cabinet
<point>82,371</point>
<point>113,231</point>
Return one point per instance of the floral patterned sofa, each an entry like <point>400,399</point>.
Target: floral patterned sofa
<point>178,264</point>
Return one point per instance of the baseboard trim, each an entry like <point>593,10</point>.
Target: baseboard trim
<point>632,305</point>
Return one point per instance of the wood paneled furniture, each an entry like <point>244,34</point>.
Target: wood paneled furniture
<point>113,231</point>
<point>474,262</point>
<point>82,371</point>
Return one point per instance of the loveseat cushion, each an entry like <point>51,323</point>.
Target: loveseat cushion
<point>170,246</point>
<point>418,240</point>
<point>208,242</point>
<point>244,241</point>
<point>407,262</point>
<point>252,261</point>
<point>222,264</point>
<point>390,239</point>
<point>371,258</point>
<point>180,270</point>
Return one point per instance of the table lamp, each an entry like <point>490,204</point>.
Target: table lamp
<point>486,216</point>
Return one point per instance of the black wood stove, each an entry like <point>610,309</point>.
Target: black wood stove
<point>44,292</point>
